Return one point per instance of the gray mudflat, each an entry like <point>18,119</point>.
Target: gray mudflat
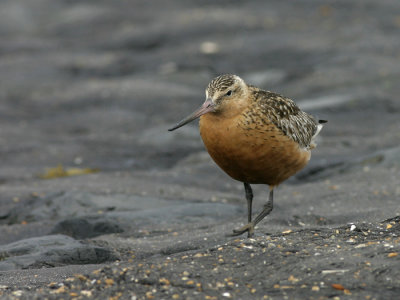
<point>96,84</point>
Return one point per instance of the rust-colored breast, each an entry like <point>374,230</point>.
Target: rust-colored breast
<point>252,152</point>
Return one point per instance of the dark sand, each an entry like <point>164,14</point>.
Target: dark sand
<point>96,84</point>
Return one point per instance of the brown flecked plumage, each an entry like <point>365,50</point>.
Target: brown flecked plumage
<point>255,136</point>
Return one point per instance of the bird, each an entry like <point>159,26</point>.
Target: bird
<point>255,136</point>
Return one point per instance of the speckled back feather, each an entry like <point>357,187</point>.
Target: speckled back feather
<point>287,116</point>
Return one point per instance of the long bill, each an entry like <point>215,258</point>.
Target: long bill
<point>206,107</point>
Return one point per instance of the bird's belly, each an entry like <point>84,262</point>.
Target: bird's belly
<point>253,155</point>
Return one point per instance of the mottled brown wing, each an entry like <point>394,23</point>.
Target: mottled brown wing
<point>288,117</point>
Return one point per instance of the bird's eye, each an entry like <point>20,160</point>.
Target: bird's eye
<point>229,93</point>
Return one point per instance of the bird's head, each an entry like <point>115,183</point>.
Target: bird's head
<point>225,95</point>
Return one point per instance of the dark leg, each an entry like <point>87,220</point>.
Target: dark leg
<point>249,198</point>
<point>266,210</point>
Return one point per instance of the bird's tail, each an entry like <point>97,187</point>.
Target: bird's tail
<point>319,127</point>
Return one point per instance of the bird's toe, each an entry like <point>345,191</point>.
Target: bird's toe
<point>248,227</point>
